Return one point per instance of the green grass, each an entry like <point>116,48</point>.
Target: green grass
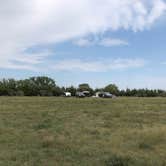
<point>41,131</point>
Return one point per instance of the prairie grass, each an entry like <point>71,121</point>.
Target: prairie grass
<point>50,131</point>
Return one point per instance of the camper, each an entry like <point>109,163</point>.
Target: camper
<point>80,94</point>
<point>104,95</point>
<point>67,94</point>
<point>86,93</point>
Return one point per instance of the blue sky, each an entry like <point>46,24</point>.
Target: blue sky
<point>97,42</point>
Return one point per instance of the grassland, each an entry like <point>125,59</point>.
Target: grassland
<point>36,131</point>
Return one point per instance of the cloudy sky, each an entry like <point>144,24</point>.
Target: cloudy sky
<point>93,41</point>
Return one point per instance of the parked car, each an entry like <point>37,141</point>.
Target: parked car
<point>80,94</point>
<point>107,95</point>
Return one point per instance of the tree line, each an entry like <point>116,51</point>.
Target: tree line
<point>45,86</point>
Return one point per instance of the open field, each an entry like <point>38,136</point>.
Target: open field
<point>36,131</point>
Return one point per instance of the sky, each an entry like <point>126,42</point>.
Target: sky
<point>85,41</point>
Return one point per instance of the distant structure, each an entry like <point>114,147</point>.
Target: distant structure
<point>67,94</point>
<point>104,95</point>
<point>80,94</point>
<point>86,93</point>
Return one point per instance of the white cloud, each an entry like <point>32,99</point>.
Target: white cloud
<point>98,66</point>
<point>26,61</point>
<point>34,22</point>
<point>84,42</point>
<point>113,42</point>
<point>106,42</point>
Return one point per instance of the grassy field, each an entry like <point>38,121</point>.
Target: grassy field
<point>40,131</point>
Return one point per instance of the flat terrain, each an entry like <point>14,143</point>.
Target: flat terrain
<point>41,131</point>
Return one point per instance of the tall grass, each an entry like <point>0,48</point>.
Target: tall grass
<point>41,131</point>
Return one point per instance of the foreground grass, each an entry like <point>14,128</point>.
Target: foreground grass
<point>37,131</point>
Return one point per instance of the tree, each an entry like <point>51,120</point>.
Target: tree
<point>8,87</point>
<point>112,88</point>
<point>57,91</point>
<point>27,87</point>
<point>72,90</point>
<point>34,86</point>
<point>43,85</point>
<point>85,87</point>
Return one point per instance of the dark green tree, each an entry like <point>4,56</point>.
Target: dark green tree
<point>112,88</point>
<point>72,90</point>
<point>85,87</point>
